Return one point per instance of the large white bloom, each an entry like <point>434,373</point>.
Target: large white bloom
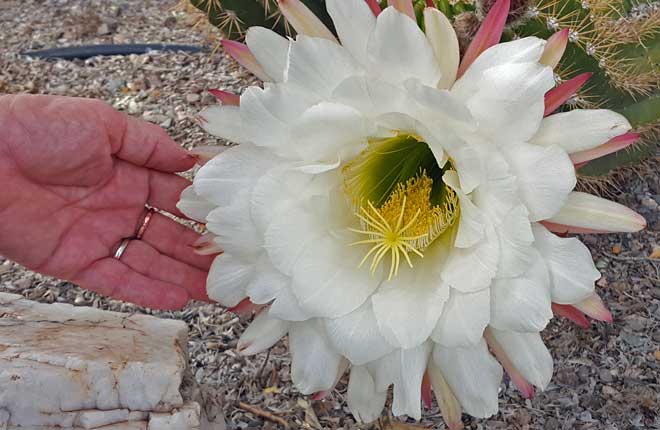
<point>391,218</point>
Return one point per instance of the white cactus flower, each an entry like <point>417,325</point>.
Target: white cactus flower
<point>392,208</point>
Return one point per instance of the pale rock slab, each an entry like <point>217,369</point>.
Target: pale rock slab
<point>73,367</point>
<point>95,418</point>
<point>186,417</point>
<point>136,425</point>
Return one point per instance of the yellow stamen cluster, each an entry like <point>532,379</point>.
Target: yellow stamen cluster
<point>407,222</point>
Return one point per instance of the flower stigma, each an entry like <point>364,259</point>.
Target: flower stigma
<point>401,202</point>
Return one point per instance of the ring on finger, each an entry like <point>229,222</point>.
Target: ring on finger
<point>145,222</point>
<point>121,248</point>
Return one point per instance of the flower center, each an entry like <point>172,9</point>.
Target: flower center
<point>401,201</point>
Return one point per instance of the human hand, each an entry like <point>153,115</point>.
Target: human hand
<point>76,175</point>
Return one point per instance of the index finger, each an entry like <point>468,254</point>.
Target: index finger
<point>148,145</point>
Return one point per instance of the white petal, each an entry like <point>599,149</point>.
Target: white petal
<point>278,190</point>
<point>545,177</point>
<point>592,212</point>
<point>267,281</point>
<point>528,355</point>
<point>515,236</point>
<point>463,320</point>
<point>319,65</point>
<point>522,303</point>
<point>228,279</point>
<point>407,307</point>
<point>438,109</point>
<point>270,49</point>
<point>314,364</point>
<point>193,205</point>
<point>405,369</point>
<point>327,131</point>
<point>473,375</point>
<point>233,225</point>
<point>327,280</point>
<point>261,334</point>
<point>464,156</point>
<point>357,336</point>
<point>443,40</point>
<point>498,193</point>
<point>316,168</point>
<point>267,115</point>
<point>370,96</point>
<point>223,121</point>
<point>472,269</point>
<point>572,270</point>
<point>509,104</point>
<point>471,227</point>
<point>398,50</point>
<point>466,160</point>
<point>354,23</point>
<point>580,130</point>
<point>526,50</point>
<point>286,237</point>
<point>365,402</point>
<point>286,307</point>
<point>217,180</point>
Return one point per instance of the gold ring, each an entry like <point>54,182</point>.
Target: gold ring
<point>145,222</point>
<point>122,247</point>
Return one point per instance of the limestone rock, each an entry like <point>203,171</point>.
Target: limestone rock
<point>186,417</point>
<point>65,366</point>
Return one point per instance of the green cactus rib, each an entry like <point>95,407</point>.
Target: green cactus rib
<point>626,75</point>
<point>234,17</point>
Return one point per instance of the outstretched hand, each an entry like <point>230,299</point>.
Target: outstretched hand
<point>76,176</point>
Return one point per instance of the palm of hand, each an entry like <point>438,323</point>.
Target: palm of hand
<point>78,177</point>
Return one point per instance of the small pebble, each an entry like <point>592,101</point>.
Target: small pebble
<point>134,107</point>
<point>632,339</point>
<point>551,424</point>
<point>605,375</point>
<point>192,98</point>
<point>650,203</point>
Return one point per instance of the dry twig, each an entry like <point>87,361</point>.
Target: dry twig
<point>264,414</point>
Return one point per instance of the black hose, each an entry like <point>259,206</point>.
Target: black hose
<point>87,51</point>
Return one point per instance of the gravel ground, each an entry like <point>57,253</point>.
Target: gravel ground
<point>606,377</point>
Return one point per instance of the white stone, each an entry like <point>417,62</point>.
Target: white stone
<point>186,417</point>
<point>58,362</point>
<point>135,425</point>
<point>138,416</point>
<point>94,418</point>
